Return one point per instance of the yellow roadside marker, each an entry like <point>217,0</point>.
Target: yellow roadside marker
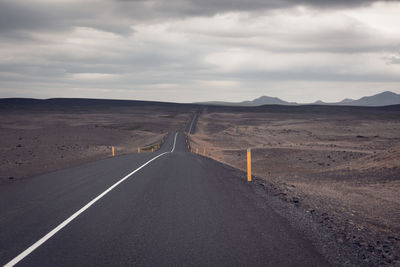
<point>204,152</point>
<point>152,149</point>
<point>138,150</point>
<point>197,151</point>
<point>112,149</point>
<point>248,165</point>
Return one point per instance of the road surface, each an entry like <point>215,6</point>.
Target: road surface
<point>178,210</point>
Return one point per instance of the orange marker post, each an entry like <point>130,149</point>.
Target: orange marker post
<point>204,152</point>
<point>152,149</point>
<point>112,149</point>
<point>197,151</point>
<point>138,150</point>
<point>248,165</point>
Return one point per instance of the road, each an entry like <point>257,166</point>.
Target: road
<point>178,210</point>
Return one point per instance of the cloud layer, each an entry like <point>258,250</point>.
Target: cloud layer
<point>199,50</point>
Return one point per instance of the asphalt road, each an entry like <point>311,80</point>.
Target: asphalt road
<point>178,210</point>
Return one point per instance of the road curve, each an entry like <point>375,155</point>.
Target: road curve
<point>179,209</point>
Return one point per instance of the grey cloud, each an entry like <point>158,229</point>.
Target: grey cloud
<point>50,63</point>
<point>17,15</point>
<point>349,40</point>
<point>211,7</point>
<point>24,16</point>
<point>393,59</point>
<point>309,75</point>
<point>117,16</point>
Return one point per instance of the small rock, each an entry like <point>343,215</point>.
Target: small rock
<point>11,177</point>
<point>371,248</point>
<point>19,145</point>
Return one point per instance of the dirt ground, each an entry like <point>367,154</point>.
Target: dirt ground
<point>340,164</point>
<point>40,138</point>
<point>343,166</point>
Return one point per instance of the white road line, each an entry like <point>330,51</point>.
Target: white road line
<point>173,148</point>
<point>76,214</point>
<point>191,125</point>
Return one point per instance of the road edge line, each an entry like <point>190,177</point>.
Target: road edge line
<point>173,147</point>
<point>38,243</point>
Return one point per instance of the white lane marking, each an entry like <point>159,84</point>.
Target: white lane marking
<point>191,125</point>
<point>173,148</point>
<point>76,214</point>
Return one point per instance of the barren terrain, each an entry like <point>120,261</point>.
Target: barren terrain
<point>40,137</point>
<point>341,164</point>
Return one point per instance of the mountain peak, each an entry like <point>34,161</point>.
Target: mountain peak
<point>382,99</point>
<point>385,98</point>
<point>267,100</point>
<point>387,93</point>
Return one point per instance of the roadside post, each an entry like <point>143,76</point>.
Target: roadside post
<point>112,149</point>
<point>138,150</point>
<point>152,149</point>
<point>204,152</point>
<point>197,150</point>
<point>249,165</point>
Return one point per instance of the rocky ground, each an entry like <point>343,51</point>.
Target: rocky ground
<point>341,167</point>
<point>36,139</point>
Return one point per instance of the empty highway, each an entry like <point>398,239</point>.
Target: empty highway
<point>167,208</point>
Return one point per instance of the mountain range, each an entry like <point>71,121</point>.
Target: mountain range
<point>382,99</point>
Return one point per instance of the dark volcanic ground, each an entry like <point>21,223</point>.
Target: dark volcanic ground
<point>337,168</point>
<point>38,136</point>
<point>339,164</point>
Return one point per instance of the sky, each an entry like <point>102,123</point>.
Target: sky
<point>199,50</point>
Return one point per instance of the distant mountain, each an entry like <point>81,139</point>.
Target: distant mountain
<point>266,100</point>
<point>263,100</point>
<point>346,101</point>
<point>383,99</point>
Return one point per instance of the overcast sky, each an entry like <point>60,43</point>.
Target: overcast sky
<point>199,50</point>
